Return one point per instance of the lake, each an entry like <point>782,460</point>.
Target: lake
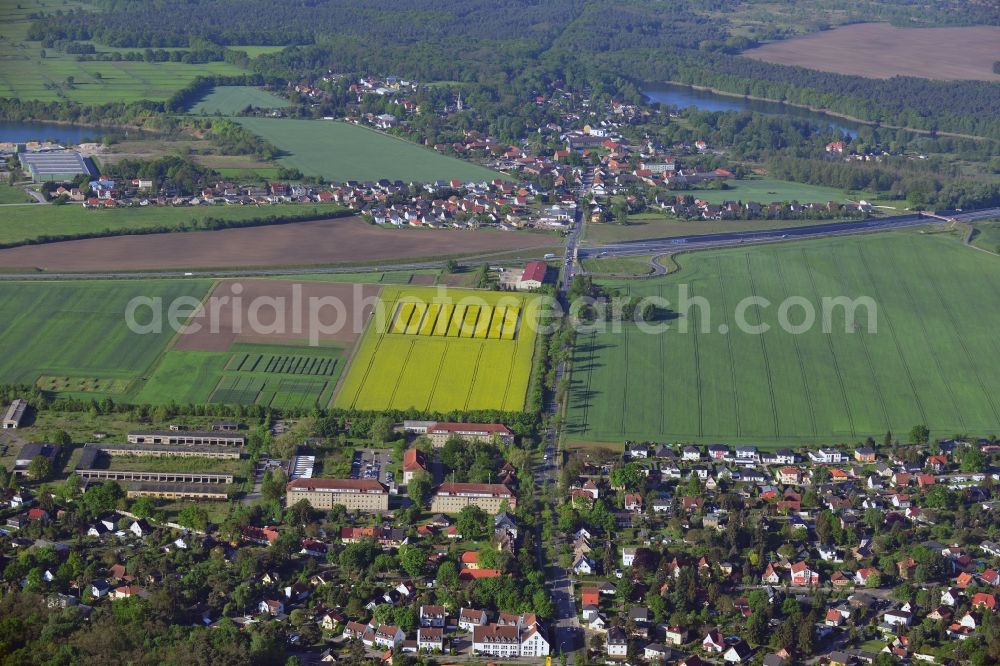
<point>684,96</point>
<point>23,131</point>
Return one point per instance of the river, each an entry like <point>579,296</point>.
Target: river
<point>24,131</point>
<point>685,96</point>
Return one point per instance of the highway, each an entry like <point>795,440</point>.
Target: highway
<point>656,246</point>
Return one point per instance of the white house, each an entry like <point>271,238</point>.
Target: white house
<point>583,566</point>
<point>628,555</point>
<point>826,456</point>
<point>714,642</point>
<point>617,643</point>
<point>470,618</point>
<point>430,639</point>
<point>385,636</point>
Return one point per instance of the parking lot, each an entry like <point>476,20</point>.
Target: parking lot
<point>372,464</point>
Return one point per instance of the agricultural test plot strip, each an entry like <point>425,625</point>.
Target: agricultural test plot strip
<point>444,319</point>
<point>430,319</point>
<point>402,318</point>
<point>483,324</point>
<point>469,322</point>
<point>511,317</point>
<point>496,326</point>
<point>455,327</point>
<point>416,319</point>
<point>475,375</point>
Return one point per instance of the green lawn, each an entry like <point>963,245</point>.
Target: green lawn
<point>986,235</point>
<point>340,151</point>
<point>230,100</point>
<point>26,74</point>
<point>441,372</point>
<point>934,359</point>
<point>619,266</point>
<point>78,329</point>
<point>9,194</point>
<point>766,190</point>
<point>20,223</point>
<point>654,224</point>
<point>183,377</point>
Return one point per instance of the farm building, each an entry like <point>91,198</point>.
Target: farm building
<point>14,415</point>
<point>31,451</point>
<point>353,494</point>
<point>453,497</point>
<point>56,165</point>
<point>440,433</point>
<point>187,438</point>
<point>533,276</point>
<point>161,451</point>
<point>176,491</point>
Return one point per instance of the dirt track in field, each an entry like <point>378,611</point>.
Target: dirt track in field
<point>339,240</point>
<point>267,313</point>
<point>879,50</point>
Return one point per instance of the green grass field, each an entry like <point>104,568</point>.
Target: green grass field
<point>986,236</point>
<point>441,368</point>
<point>71,338</point>
<point>26,74</point>
<point>230,100</point>
<point>935,358</point>
<point>766,190</point>
<point>340,151</point>
<point>78,329</point>
<point>9,194</point>
<point>20,223</point>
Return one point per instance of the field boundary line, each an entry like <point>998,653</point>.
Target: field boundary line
<point>475,375</point>
<point>798,356</point>
<point>923,329</point>
<point>892,332</point>
<point>965,349</point>
<point>437,376</point>
<point>729,346</point>
<point>829,344</point>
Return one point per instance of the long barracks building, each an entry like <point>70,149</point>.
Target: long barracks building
<point>367,495</point>
<point>453,497</point>
<point>187,438</point>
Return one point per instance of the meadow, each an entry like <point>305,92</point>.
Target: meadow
<point>23,223</point>
<point>230,100</point>
<point>10,194</point>
<point>986,236</point>
<point>433,363</point>
<point>655,224</point>
<point>934,358</point>
<point>340,151</point>
<point>766,190</point>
